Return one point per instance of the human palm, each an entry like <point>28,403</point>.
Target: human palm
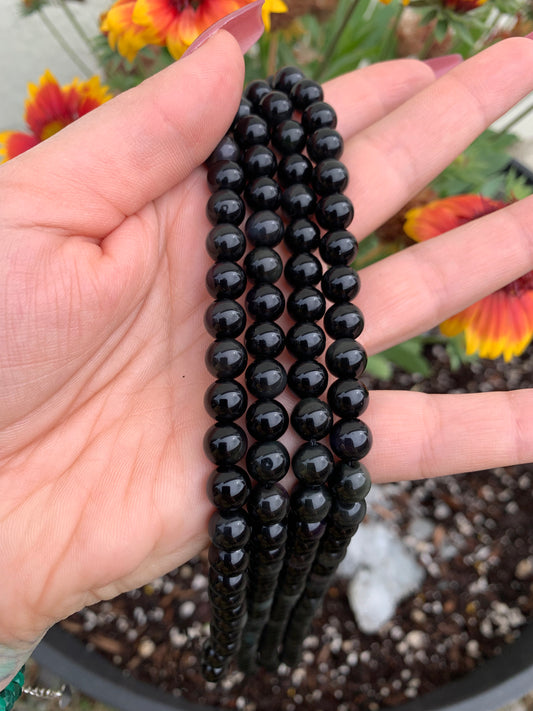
<point>102,474</point>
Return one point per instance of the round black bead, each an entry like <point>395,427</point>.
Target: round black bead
<point>294,168</point>
<point>225,443</point>
<point>227,149</point>
<point>306,304</point>
<point>268,503</point>
<point>225,602</point>
<point>286,77</point>
<point>270,535</point>
<point>226,358</point>
<point>275,107</point>
<point>266,378</point>
<point>312,463</point>
<point>350,482</point>
<point>264,228</point>
<point>347,515</point>
<point>228,562</point>
<point>213,666</point>
<point>263,264</point>
<point>267,462</point>
<point>245,109</point>
<point>225,206</point>
<point>225,318</point>
<point>343,321</point>
<point>289,137</point>
<point>225,280</point>
<point>303,269</point>
<point>310,503</point>
<point>225,242</point>
<point>267,555</point>
<point>350,439</point>
<point>225,174</point>
<point>226,585</point>
<point>298,200</point>
<point>306,340</point>
<point>330,176</point>
<point>348,397</point>
<point>251,130</point>
<point>302,235</point>
<point>324,143</point>
<point>311,418</point>
<point>264,339</point>
<point>258,160</point>
<point>229,530</point>
<point>266,420</point>
<point>228,487</point>
<point>307,531</point>
<point>263,193</point>
<point>318,115</point>
<point>338,247</point>
<point>334,212</point>
<point>255,90</point>
<point>305,92</point>
<point>340,283</point>
<point>226,400</point>
<point>345,358</point>
<point>307,378</point>
<point>265,302</point>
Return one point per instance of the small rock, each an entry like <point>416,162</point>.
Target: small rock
<point>524,569</point>
<point>146,647</point>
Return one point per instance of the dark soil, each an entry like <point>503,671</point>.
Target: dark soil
<point>477,594</point>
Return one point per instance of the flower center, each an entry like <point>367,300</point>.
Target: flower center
<point>181,5</point>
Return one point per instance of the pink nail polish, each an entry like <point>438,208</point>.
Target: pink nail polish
<point>530,35</point>
<point>441,65</point>
<point>245,24</point>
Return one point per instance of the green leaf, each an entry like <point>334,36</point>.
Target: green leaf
<point>409,356</point>
<point>379,367</point>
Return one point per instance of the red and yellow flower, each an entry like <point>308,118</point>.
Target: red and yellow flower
<point>49,108</point>
<point>463,5</point>
<point>501,324</point>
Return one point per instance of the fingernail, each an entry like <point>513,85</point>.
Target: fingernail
<point>530,35</point>
<point>245,24</point>
<point>441,65</point>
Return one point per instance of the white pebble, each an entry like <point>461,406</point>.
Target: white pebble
<point>146,647</point>
<point>187,609</point>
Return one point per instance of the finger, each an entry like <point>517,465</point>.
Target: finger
<point>419,287</point>
<point>396,157</point>
<point>418,435</point>
<point>111,162</point>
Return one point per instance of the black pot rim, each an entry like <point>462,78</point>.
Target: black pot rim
<point>493,684</point>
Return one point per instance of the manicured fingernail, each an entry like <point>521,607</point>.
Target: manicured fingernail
<point>441,65</point>
<point>245,24</point>
<point>530,35</point>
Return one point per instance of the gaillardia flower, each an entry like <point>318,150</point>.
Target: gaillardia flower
<point>51,107</point>
<point>463,5</point>
<point>501,324</point>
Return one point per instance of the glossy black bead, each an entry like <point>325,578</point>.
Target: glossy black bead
<point>345,358</point>
<point>350,482</point>
<point>266,420</point>
<point>275,106</point>
<point>228,624</point>
<point>267,555</point>
<point>227,149</point>
<point>334,212</point>
<point>348,397</point>
<point>289,137</point>
<point>225,443</point>
<point>229,530</point>
<point>255,90</point>
<point>303,269</point>
<point>343,321</point>
<point>228,487</point>
<point>340,283</point>
<point>310,503</point>
<point>298,200</point>
<point>264,339</point>
<point>226,400</point>
<point>350,439</point>
<point>225,206</point>
<point>265,302</point>
<point>228,562</point>
<point>266,378</point>
<point>294,168</point>
<point>306,304</point>
<point>305,92</point>
<point>225,318</point>
<point>306,340</point>
<point>307,531</point>
<point>257,161</point>
<point>312,463</point>
<point>347,516</point>
<point>319,115</point>
<point>270,535</point>
<point>226,358</point>
<point>225,174</point>
<point>338,247</point>
<point>263,193</point>
<point>286,77</point>
<point>245,109</point>
<point>307,378</point>
<point>324,143</point>
<point>251,130</point>
<point>263,264</point>
<point>225,242</point>
<point>225,280</point>
<point>226,584</point>
<point>264,228</point>
<point>213,671</point>
<point>268,503</point>
<point>223,602</point>
<point>330,176</point>
<point>267,462</point>
<point>302,235</point>
<point>311,418</point>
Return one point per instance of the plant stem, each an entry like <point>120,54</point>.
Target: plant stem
<point>385,52</point>
<point>517,119</point>
<point>330,49</point>
<point>78,61</point>
<point>76,24</point>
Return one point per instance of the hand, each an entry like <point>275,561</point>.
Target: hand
<point>102,473</point>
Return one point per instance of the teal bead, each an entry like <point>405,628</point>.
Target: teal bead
<point>12,692</point>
